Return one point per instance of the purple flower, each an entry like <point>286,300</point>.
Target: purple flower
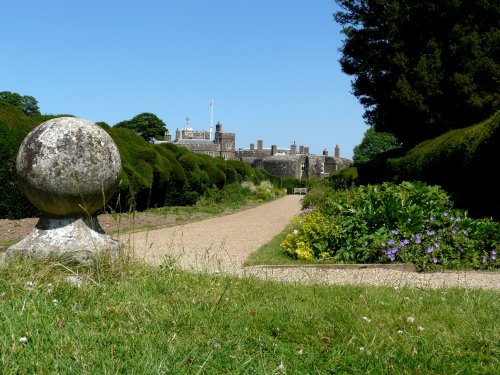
<point>383,244</point>
<point>431,232</point>
<point>418,235</point>
<point>391,242</point>
<point>392,257</point>
<point>454,230</point>
<point>436,244</point>
<point>460,248</point>
<point>429,250</point>
<point>446,213</point>
<point>365,243</point>
<point>431,218</point>
<point>394,231</point>
<point>493,255</point>
<point>458,219</point>
<point>418,240</point>
<point>464,232</point>
<point>406,241</point>
<point>485,258</point>
<point>434,260</point>
<point>452,217</point>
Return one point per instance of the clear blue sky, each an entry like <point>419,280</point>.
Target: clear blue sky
<point>271,66</point>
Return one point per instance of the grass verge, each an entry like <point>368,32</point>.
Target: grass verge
<point>271,254</point>
<point>131,318</point>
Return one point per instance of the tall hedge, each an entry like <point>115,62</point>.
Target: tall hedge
<point>14,126</point>
<point>464,162</point>
<point>152,175</point>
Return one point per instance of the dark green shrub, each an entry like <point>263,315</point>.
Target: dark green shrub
<point>344,178</point>
<point>462,161</point>
<point>14,127</point>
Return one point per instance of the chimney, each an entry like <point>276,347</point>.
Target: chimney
<point>325,152</point>
<point>274,148</point>
<point>260,145</point>
<point>337,151</point>
<point>293,149</point>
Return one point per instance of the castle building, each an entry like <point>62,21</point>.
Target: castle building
<point>294,162</point>
<point>200,142</point>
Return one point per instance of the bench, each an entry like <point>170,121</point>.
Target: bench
<point>300,190</point>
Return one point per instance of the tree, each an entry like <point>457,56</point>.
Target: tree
<point>422,68</point>
<point>147,125</point>
<point>27,104</point>
<point>373,143</point>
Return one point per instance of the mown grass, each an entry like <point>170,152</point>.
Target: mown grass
<point>131,318</point>
<point>271,254</point>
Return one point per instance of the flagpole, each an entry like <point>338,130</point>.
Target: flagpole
<point>211,117</point>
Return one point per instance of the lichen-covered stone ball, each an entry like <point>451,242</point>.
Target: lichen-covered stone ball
<point>68,166</point>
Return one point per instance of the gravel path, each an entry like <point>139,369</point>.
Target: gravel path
<point>222,244</point>
<point>219,244</point>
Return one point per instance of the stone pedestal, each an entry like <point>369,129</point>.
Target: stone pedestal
<point>75,238</point>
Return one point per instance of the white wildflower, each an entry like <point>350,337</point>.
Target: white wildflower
<point>280,368</point>
<point>410,320</point>
<point>23,340</point>
<point>55,301</point>
<point>400,331</point>
<point>74,280</point>
<point>420,329</point>
<point>361,349</point>
<point>366,319</point>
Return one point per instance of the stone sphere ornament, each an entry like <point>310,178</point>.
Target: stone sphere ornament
<point>68,168</point>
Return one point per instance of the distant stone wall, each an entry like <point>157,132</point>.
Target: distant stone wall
<point>298,166</point>
<point>280,165</point>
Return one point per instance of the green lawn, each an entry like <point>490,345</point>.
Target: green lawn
<point>132,318</point>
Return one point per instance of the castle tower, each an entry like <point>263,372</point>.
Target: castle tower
<point>325,152</point>
<point>293,149</point>
<point>177,135</point>
<point>337,151</point>
<point>226,142</point>
<point>260,145</point>
<point>274,149</point>
<point>218,133</point>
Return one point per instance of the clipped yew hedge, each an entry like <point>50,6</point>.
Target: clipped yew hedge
<point>14,126</point>
<point>464,162</point>
<point>152,175</point>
